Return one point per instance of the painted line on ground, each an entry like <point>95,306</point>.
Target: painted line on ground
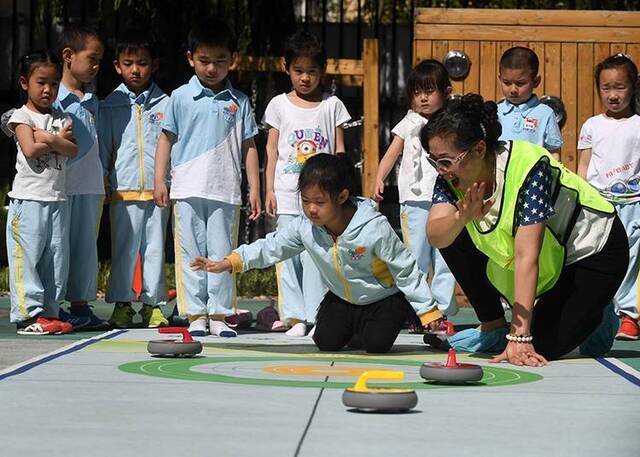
<point>42,359</point>
<point>313,413</point>
<point>627,372</point>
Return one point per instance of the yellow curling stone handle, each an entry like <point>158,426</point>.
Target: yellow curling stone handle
<point>381,375</point>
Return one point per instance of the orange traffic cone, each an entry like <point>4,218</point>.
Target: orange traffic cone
<point>137,278</point>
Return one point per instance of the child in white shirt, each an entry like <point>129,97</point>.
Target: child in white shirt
<point>302,123</point>
<point>37,225</point>
<point>609,148</point>
<point>428,86</point>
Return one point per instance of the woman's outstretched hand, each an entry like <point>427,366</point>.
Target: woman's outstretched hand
<point>473,206</point>
<point>212,266</point>
<point>521,354</point>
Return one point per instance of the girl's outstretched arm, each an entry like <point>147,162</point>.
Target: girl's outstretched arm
<point>211,266</point>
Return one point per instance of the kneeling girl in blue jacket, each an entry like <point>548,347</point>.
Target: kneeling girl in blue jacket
<point>370,276</point>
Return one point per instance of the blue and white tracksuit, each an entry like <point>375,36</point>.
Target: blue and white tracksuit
<point>85,195</point>
<point>365,264</point>
<point>128,132</point>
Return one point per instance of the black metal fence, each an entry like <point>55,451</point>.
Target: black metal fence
<point>262,28</point>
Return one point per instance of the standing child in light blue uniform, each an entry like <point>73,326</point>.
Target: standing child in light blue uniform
<point>521,114</point>
<point>428,86</point>
<point>207,131</point>
<point>372,279</point>
<point>302,123</point>
<point>82,51</point>
<point>37,237</point>
<point>609,148</point>
<point>130,120</point>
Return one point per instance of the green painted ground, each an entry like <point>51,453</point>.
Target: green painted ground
<point>181,369</point>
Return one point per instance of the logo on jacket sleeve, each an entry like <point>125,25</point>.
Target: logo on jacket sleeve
<point>357,253</point>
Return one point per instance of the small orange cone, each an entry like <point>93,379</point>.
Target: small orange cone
<point>137,278</point>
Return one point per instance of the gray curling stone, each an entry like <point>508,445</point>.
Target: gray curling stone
<point>187,347</point>
<point>174,348</point>
<point>381,399</point>
<point>451,372</point>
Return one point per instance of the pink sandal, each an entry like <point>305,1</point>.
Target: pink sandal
<point>279,326</point>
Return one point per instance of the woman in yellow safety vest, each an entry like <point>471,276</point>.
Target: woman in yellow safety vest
<point>514,223</point>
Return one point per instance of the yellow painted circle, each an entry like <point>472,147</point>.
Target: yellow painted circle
<point>310,370</point>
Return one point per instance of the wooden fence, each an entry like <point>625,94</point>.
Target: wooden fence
<point>568,43</point>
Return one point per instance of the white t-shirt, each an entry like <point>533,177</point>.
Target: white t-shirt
<point>416,177</point>
<point>614,168</point>
<point>42,178</point>
<point>302,133</point>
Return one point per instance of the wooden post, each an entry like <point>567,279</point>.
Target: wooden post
<point>371,106</point>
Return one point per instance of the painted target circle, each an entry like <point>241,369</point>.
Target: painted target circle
<point>292,371</point>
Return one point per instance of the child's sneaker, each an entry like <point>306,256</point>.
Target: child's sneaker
<point>122,316</point>
<point>628,329</point>
<point>176,320</point>
<point>152,317</point>
<point>39,326</point>
<point>95,323</point>
<point>198,327</point>
<point>76,321</point>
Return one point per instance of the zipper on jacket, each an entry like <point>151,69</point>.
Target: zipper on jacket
<point>336,265</point>
<point>140,147</point>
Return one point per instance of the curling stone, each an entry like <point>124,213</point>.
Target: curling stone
<point>186,347</point>
<point>381,399</point>
<point>438,338</point>
<point>451,372</point>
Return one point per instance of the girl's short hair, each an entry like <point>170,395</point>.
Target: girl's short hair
<point>619,61</point>
<point>331,173</point>
<point>29,62</point>
<point>428,75</point>
<point>304,44</point>
<point>466,120</point>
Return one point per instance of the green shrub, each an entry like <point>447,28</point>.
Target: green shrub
<point>254,283</point>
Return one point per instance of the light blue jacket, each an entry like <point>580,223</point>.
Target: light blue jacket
<point>128,131</point>
<point>365,264</point>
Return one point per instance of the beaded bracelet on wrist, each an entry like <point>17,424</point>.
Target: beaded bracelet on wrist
<point>519,338</point>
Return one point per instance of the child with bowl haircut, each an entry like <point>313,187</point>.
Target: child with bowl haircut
<point>130,124</point>
<point>207,131</point>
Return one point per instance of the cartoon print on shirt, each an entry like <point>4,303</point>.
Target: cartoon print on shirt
<point>305,143</point>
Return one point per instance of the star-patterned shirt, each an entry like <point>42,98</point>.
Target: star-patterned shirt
<point>535,204</point>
